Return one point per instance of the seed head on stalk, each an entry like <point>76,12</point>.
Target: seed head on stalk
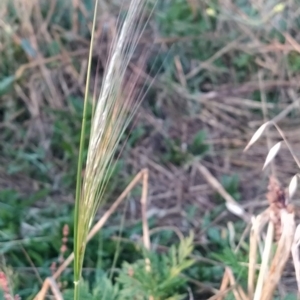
<point>113,111</point>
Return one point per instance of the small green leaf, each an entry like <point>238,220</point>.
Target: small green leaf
<point>198,146</point>
<point>214,234</point>
<point>6,83</point>
<point>1,295</point>
<point>27,47</point>
<point>290,297</point>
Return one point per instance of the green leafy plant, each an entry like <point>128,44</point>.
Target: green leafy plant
<point>176,19</point>
<point>231,185</point>
<point>176,155</point>
<point>103,289</point>
<point>198,146</point>
<point>15,212</point>
<point>234,260</point>
<point>156,275</point>
<point>162,279</point>
<point>173,153</point>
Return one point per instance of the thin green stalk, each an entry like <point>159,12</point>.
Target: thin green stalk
<point>79,249</point>
<point>118,247</point>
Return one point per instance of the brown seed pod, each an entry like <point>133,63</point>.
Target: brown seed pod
<point>277,201</point>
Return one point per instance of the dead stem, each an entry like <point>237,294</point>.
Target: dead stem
<point>42,294</point>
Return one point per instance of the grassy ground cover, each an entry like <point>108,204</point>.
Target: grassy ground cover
<point>221,70</point>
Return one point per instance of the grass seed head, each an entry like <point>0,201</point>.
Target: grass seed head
<point>293,186</point>
<point>113,112</point>
<point>272,153</point>
<point>257,135</point>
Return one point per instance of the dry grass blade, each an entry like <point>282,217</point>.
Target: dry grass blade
<point>146,235</point>
<point>230,202</point>
<point>257,224</point>
<point>281,228</point>
<point>295,254</point>
<point>229,280</point>
<point>281,256</point>
<point>49,282</point>
<point>265,262</point>
<point>224,285</point>
<point>42,294</point>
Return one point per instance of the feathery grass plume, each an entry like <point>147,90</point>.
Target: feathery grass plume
<point>113,111</point>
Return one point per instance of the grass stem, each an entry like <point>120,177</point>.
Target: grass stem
<point>78,248</point>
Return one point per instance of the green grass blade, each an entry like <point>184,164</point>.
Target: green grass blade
<point>79,248</point>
